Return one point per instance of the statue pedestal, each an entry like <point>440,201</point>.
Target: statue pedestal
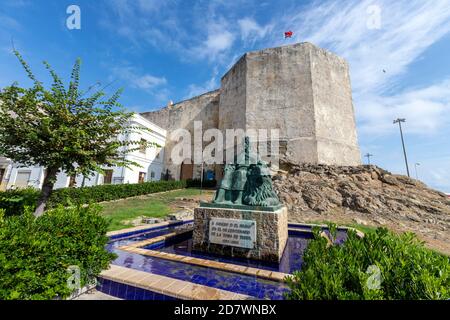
<point>241,231</point>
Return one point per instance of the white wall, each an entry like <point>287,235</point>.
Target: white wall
<point>149,162</point>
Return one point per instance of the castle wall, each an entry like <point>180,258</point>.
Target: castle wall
<point>334,115</point>
<point>204,108</point>
<point>279,96</point>
<point>233,96</point>
<point>300,89</point>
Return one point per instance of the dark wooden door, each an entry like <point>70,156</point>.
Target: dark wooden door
<point>108,177</point>
<point>187,170</point>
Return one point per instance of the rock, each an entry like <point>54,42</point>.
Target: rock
<point>360,221</point>
<point>386,199</point>
<point>151,220</point>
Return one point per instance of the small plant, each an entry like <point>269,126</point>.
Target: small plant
<point>36,253</point>
<point>15,201</point>
<point>382,265</point>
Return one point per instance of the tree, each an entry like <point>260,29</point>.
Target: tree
<point>63,129</point>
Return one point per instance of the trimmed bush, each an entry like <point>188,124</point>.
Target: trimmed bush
<point>14,201</point>
<point>196,183</point>
<point>349,271</point>
<point>108,192</point>
<point>35,253</point>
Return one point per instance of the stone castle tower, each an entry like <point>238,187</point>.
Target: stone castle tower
<point>300,89</point>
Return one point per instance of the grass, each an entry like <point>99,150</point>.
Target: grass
<point>360,227</point>
<point>121,213</point>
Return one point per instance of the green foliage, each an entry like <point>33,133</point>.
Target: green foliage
<point>73,130</point>
<point>107,192</point>
<point>64,129</point>
<point>15,201</point>
<point>35,253</point>
<point>196,183</point>
<point>408,269</point>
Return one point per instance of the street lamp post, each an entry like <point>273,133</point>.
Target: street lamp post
<point>399,121</point>
<point>201,180</point>
<point>368,155</point>
<point>415,167</point>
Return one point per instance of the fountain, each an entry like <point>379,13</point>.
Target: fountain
<point>246,218</point>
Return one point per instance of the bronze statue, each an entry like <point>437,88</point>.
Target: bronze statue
<point>224,193</point>
<point>247,184</point>
<point>258,190</point>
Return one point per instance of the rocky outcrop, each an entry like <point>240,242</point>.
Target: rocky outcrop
<point>365,195</point>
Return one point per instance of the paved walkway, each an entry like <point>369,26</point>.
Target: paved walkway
<point>95,295</point>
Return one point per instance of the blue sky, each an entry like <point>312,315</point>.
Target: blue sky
<point>172,50</point>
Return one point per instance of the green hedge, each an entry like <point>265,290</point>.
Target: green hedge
<point>108,192</point>
<point>196,183</point>
<point>349,271</point>
<point>14,201</point>
<point>35,253</point>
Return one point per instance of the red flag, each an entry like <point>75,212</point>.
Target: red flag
<point>288,34</point>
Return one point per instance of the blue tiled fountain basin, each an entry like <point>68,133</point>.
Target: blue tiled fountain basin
<point>299,237</point>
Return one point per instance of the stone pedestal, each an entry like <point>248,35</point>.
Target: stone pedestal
<point>237,232</point>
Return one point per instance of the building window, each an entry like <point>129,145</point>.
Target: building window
<point>152,175</point>
<point>22,179</point>
<point>143,146</point>
<point>107,178</point>
<point>141,177</point>
<point>72,181</point>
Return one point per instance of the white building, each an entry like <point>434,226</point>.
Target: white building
<point>12,175</point>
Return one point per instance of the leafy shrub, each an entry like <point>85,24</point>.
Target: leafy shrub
<point>196,183</point>
<point>107,192</point>
<point>36,252</point>
<point>408,269</point>
<point>14,201</point>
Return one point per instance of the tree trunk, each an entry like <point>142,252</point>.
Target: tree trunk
<point>47,188</point>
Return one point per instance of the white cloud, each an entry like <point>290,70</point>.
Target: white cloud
<point>152,5</point>
<point>210,85</point>
<point>8,22</point>
<point>136,80</point>
<point>426,110</point>
<point>219,41</point>
<point>251,30</point>
<point>148,81</point>
<point>408,28</point>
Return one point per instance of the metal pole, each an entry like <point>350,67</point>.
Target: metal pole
<point>415,167</point>
<point>399,121</point>
<point>368,157</point>
<point>201,180</point>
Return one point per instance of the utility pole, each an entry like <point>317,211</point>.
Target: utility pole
<point>415,167</point>
<point>368,155</point>
<point>201,180</point>
<point>399,121</point>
